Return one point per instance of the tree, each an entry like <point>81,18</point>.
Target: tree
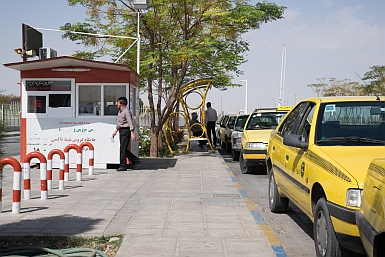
<point>9,98</point>
<point>333,87</point>
<point>181,40</point>
<point>376,79</point>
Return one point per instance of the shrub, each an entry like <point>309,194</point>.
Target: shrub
<point>145,144</point>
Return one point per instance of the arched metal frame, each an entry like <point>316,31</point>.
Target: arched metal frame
<point>200,87</point>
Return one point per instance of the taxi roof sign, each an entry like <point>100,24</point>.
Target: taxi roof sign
<point>283,108</point>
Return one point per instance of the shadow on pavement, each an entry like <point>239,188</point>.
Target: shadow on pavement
<point>63,225</point>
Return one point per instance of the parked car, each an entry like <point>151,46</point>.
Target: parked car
<point>222,123</point>
<point>227,129</point>
<point>217,126</point>
<point>255,136</point>
<point>318,158</point>
<point>370,217</point>
<point>236,136</point>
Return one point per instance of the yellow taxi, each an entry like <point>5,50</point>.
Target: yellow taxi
<point>255,136</point>
<point>370,218</point>
<point>318,158</point>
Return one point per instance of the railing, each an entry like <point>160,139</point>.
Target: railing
<point>10,115</point>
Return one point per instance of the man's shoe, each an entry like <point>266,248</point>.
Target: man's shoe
<point>136,163</point>
<point>121,169</point>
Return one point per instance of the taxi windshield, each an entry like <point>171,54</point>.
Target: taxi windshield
<point>266,120</point>
<point>351,123</point>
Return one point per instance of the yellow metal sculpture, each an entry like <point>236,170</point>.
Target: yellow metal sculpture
<point>171,128</point>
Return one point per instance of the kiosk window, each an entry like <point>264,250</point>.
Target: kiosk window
<point>111,94</point>
<point>89,100</point>
<point>59,100</point>
<point>36,104</point>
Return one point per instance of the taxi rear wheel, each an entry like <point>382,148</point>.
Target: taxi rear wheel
<point>245,169</point>
<point>277,204</point>
<point>325,240</point>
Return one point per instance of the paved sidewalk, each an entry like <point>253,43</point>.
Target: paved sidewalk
<point>189,205</point>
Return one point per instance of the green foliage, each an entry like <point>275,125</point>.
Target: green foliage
<point>144,141</point>
<point>333,87</point>
<point>6,99</point>
<point>376,81</point>
<point>145,144</point>
<point>374,84</point>
<point>181,40</point>
<point>106,244</point>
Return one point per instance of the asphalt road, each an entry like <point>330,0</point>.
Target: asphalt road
<point>12,146</point>
<point>293,229</point>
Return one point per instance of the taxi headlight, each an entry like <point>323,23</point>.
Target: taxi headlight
<point>256,145</point>
<point>353,198</point>
<point>236,134</point>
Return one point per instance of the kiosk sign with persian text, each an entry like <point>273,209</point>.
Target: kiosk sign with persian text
<point>48,85</point>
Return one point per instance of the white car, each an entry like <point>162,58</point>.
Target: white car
<point>236,136</point>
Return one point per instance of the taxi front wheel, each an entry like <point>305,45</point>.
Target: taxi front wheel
<point>245,169</point>
<point>277,204</point>
<point>325,240</point>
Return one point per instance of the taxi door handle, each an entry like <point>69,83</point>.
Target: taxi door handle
<point>287,157</point>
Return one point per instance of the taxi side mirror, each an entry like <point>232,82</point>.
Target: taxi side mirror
<point>294,141</point>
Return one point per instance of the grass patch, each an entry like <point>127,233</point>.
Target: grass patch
<point>108,245</point>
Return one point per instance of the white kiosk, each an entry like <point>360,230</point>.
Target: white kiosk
<point>66,100</point>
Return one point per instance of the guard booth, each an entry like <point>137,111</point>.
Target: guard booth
<point>66,100</point>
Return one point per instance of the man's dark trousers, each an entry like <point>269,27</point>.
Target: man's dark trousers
<point>125,137</point>
<point>211,130</point>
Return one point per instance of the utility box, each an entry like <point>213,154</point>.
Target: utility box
<point>66,100</point>
<point>47,52</point>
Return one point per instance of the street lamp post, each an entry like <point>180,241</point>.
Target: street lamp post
<point>221,105</point>
<point>245,80</point>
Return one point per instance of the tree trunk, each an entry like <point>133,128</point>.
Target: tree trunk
<point>154,142</point>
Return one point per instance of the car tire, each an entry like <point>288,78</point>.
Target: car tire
<point>325,239</point>
<point>277,204</point>
<point>235,155</point>
<point>245,169</point>
<point>228,147</point>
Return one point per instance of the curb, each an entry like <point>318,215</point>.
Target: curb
<point>269,234</point>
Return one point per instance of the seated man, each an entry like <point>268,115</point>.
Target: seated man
<point>196,129</point>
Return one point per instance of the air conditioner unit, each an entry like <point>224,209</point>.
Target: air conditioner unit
<point>47,52</point>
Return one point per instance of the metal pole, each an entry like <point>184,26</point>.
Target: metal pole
<point>138,48</point>
<point>221,105</point>
<point>245,80</point>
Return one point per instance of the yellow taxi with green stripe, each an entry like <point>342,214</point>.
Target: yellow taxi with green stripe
<point>318,158</point>
<point>255,136</point>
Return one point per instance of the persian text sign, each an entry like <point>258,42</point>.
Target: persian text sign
<point>47,85</point>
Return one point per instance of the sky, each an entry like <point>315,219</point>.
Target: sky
<point>338,39</point>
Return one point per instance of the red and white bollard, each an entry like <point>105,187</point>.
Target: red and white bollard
<point>91,156</point>
<point>78,162</point>
<point>16,194</point>
<point>61,168</point>
<point>27,175</point>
